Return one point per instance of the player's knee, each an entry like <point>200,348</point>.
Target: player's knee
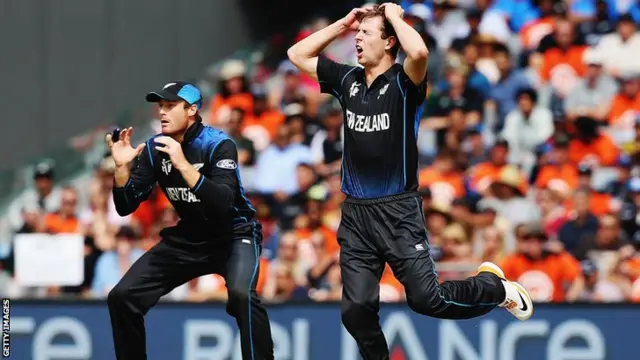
<point>120,294</point>
<point>355,314</point>
<point>239,294</point>
<point>238,299</point>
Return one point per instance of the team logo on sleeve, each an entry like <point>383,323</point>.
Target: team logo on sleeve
<point>227,164</point>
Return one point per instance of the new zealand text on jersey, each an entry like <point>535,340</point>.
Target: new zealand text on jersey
<point>181,194</point>
<point>367,123</point>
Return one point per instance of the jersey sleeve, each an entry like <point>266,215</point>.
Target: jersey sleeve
<point>217,188</point>
<point>417,93</point>
<point>141,182</point>
<point>331,75</point>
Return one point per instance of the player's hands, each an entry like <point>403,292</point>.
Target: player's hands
<point>172,148</point>
<point>392,10</point>
<point>351,20</point>
<point>122,151</point>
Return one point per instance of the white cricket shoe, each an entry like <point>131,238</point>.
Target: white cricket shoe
<point>517,300</point>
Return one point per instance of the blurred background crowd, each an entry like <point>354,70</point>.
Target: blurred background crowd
<point>529,147</point>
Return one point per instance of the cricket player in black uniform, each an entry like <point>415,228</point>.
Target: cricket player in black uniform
<point>196,167</point>
<point>382,219</point>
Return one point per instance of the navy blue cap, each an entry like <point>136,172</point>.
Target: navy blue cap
<point>176,91</point>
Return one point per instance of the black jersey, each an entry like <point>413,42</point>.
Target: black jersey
<point>380,155</point>
<point>203,211</point>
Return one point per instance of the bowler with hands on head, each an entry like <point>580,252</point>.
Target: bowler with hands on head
<point>382,219</point>
<point>196,166</point>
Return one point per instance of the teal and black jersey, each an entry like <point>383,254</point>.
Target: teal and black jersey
<point>380,156</point>
<point>215,205</point>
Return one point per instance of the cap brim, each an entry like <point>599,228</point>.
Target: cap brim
<point>162,95</point>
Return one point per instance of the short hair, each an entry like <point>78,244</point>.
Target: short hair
<point>501,49</point>
<point>528,91</point>
<point>387,28</point>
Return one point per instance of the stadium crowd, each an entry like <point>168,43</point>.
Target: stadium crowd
<point>529,141</point>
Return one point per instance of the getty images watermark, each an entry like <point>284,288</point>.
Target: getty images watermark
<point>6,325</point>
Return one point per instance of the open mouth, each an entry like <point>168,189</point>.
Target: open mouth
<point>358,50</point>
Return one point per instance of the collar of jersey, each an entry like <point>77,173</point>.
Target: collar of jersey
<point>192,132</point>
<point>390,74</point>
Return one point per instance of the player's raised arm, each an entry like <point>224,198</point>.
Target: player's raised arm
<point>304,54</point>
<point>134,177</point>
<point>415,65</point>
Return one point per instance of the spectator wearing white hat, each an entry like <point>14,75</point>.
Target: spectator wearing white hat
<point>233,91</point>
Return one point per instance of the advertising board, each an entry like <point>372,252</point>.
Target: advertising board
<point>81,330</point>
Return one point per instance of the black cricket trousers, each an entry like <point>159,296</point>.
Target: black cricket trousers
<point>392,230</point>
<point>171,263</point>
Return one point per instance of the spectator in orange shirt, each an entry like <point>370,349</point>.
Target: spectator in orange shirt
<point>233,91</point>
<point>442,178</point>
<point>65,220</point>
<point>312,222</point>
<point>562,65</point>
<point>534,31</point>
<point>590,146</point>
<point>261,123</point>
<point>483,174</point>
<point>625,106</point>
<point>545,274</point>
<point>558,174</point>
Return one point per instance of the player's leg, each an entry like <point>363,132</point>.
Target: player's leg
<point>155,274</point>
<point>408,255</point>
<point>361,270</point>
<point>241,276</point>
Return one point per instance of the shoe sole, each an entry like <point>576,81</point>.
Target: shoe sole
<point>492,268</point>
